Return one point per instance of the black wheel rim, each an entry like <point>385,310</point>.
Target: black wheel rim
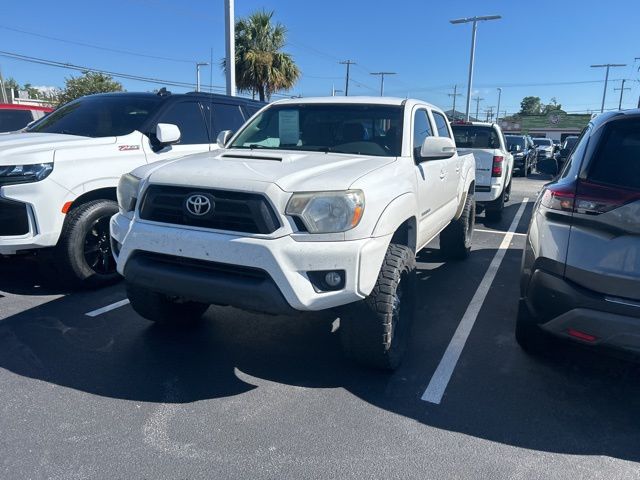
<point>97,248</point>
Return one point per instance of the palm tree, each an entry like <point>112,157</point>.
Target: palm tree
<point>261,66</point>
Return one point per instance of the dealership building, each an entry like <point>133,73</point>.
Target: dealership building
<point>555,125</point>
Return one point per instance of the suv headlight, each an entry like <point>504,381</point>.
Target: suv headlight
<point>13,174</point>
<point>128,192</point>
<point>328,212</point>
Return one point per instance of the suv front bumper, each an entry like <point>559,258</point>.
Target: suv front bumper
<point>216,267</point>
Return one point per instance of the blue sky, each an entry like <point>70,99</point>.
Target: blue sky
<point>539,48</point>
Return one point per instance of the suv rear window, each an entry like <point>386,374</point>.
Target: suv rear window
<point>617,161</point>
<point>474,136</point>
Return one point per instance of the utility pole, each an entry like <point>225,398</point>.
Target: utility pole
<point>477,100</point>
<point>498,109</point>
<point>606,78</point>
<point>382,74</point>
<point>348,63</point>
<point>475,21</point>
<point>230,44</point>
<point>454,95</point>
<point>622,89</point>
<point>198,65</point>
<point>489,112</point>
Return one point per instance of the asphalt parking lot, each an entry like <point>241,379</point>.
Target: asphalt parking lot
<point>108,395</point>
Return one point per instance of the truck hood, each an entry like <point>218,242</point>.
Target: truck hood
<point>291,171</point>
<point>28,148</point>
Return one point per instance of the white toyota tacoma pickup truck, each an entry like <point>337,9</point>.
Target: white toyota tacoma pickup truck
<point>314,204</point>
<point>58,177</point>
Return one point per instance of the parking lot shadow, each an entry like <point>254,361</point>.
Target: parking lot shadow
<point>573,405</point>
<point>29,275</point>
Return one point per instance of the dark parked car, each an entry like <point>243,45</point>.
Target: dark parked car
<point>15,117</point>
<point>524,154</point>
<point>581,266</point>
<point>565,150</point>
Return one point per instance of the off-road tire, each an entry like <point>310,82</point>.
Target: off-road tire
<point>162,309</point>
<point>86,223</point>
<point>529,335</point>
<point>456,239</point>
<point>375,331</point>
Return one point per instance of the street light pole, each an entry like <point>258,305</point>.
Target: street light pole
<point>475,21</point>
<point>230,44</point>
<point>198,65</point>
<point>498,109</point>
<point>382,74</point>
<point>606,78</point>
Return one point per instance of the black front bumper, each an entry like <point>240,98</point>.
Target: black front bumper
<point>207,282</point>
<point>559,306</point>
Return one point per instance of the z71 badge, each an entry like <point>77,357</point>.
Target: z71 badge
<point>125,148</point>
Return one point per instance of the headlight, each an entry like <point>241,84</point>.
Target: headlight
<point>328,212</point>
<point>25,173</point>
<point>128,192</point>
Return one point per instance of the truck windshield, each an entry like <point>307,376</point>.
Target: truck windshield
<point>340,128</point>
<point>542,142</point>
<point>98,116</point>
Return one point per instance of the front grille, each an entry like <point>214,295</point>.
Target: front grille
<point>14,218</point>
<point>231,211</point>
<point>214,268</point>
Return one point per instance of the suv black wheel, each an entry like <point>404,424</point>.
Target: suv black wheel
<point>375,331</point>
<point>83,254</point>
<point>163,309</point>
<point>456,239</point>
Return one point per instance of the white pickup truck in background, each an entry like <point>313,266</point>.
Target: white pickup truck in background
<point>494,164</point>
<point>315,204</point>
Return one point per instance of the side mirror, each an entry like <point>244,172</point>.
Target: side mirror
<point>223,138</point>
<point>437,148</point>
<point>167,133</point>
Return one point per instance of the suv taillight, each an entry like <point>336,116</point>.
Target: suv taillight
<point>496,169</point>
<point>586,197</point>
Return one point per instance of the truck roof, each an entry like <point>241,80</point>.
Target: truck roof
<point>212,96</point>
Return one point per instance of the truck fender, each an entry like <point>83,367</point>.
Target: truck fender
<point>468,182</point>
<point>400,211</point>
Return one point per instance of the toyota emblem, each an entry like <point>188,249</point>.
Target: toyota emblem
<point>199,205</point>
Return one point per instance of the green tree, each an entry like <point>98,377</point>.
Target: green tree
<point>87,84</point>
<point>261,65</point>
<point>552,107</point>
<point>531,106</point>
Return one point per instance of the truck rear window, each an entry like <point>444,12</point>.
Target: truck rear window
<point>475,136</point>
<point>617,160</point>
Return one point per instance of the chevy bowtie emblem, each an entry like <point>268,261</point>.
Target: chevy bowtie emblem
<point>199,205</point>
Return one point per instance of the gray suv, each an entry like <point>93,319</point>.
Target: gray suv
<point>581,264</point>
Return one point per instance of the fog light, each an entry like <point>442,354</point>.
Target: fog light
<point>333,279</point>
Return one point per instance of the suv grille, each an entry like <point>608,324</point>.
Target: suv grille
<point>215,209</point>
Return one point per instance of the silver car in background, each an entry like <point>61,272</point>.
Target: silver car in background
<point>581,265</point>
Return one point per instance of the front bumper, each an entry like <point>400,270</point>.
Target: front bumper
<point>559,307</point>
<point>284,263</point>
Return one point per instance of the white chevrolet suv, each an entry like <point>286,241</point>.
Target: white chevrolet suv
<point>58,177</point>
<point>314,204</point>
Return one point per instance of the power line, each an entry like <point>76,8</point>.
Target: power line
<point>70,66</point>
<point>97,47</point>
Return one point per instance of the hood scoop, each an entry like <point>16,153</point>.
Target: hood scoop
<point>251,157</point>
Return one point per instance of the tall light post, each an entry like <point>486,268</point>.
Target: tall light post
<point>198,65</point>
<point>230,44</point>
<point>498,109</point>
<point>381,75</point>
<point>475,21</point>
<point>606,78</point>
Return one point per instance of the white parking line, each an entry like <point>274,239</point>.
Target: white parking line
<point>483,230</point>
<point>108,308</point>
<point>440,380</point>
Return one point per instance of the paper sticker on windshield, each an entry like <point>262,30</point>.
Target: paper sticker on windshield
<point>289,124</point>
